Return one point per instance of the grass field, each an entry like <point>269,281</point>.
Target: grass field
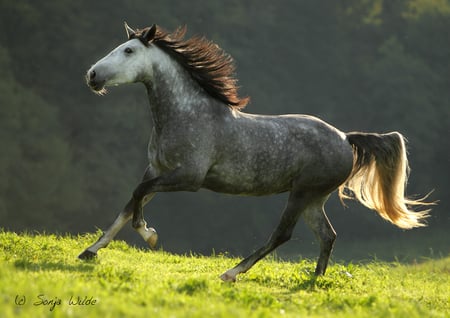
<point>40,276</point>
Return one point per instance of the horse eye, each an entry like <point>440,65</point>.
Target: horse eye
<point>128,50</point>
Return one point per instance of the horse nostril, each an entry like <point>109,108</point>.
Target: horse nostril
<point>92,75</point>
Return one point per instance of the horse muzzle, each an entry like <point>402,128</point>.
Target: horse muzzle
<point>94,81</point>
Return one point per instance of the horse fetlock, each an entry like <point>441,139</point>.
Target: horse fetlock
<point>138,224</point>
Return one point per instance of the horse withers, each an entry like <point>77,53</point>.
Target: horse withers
<point>200,138</point>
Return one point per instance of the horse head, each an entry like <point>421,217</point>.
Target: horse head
<point>125,63</point>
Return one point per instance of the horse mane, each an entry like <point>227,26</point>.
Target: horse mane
<point>211,67</point>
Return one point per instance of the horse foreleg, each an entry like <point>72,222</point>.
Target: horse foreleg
<point>318,221</point>
<point>133,209</point>
<point>148,234</point>
<point>109,234</point>
<point>282,233</point>
<point>175,180</point>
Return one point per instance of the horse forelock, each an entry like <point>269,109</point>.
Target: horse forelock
<point>211,67</point>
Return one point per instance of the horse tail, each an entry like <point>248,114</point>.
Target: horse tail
<point>379,176</point>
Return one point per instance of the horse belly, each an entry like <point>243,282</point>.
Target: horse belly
<point>243,187</point>
<point>259,177</point>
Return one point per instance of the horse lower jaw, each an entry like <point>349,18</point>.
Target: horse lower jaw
<point>99,90</point>
<point>97,87</point>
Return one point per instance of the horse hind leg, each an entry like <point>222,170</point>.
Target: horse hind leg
<point>318,222</point>
<point>283,232</point>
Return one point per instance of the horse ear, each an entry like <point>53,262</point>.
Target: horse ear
<point>149,35</point>
<point>130,32</point>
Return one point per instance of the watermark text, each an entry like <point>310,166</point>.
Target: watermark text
<point>53,302</point>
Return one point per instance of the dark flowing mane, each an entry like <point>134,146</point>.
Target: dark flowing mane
<point>207,63</point>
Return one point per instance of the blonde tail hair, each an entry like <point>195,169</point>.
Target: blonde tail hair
<point>379,176</point>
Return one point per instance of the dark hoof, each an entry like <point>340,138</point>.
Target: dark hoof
<point>87,255</point>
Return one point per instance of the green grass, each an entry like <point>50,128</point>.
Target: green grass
<point>127,282</point>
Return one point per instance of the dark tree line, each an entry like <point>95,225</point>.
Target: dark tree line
<point>69,159</point>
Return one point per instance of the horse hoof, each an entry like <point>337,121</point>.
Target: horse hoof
<point>228,278</point>
<point>87,255</point>
<point>153,239</point>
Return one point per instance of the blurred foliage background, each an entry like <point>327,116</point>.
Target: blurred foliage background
<point>69,160</point>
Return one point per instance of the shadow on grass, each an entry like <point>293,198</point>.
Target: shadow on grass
<point>24,264</point>
<point>306,284</point>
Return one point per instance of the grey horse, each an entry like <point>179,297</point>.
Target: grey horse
<point>201,139</point>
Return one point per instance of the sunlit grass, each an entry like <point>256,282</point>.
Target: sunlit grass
<point>124,281</point>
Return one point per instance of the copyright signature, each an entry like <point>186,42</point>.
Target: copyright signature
<point>53,302</point>
<point>20,300</point>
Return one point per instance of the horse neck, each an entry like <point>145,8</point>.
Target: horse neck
<point>172,92</point>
